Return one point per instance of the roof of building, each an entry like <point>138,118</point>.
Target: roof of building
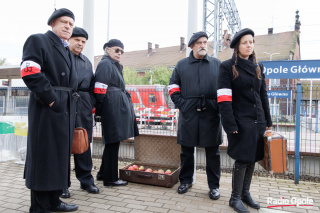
<point>283,43</point>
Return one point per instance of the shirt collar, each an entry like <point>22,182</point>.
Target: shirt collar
<point>79,56</point>
<point>193,59</point>
<point>64,42</point>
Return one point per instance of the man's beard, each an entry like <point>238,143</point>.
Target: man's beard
<point>202,51</point>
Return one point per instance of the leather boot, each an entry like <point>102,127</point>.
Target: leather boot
<point>246,197</point>
<point>238,173</point>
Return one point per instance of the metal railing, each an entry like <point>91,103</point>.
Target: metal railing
<point>156,115</point>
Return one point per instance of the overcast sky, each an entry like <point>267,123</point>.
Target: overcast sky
<point>162,22</point>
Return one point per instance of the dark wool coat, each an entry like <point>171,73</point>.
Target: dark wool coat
<point>86,101</point>
<point>196,78</point>
<point>115,106</point>
<point>45,63</point>
<point>248,111</point>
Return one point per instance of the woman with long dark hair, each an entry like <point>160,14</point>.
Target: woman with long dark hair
<point>245,114</point>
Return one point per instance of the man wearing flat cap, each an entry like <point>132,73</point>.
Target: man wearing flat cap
<point>85,104</point>
<point>114,105</point>
<point>193,89</point>
<point>48,71</point>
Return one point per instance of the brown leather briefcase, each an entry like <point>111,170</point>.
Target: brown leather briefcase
<point>80,142</point>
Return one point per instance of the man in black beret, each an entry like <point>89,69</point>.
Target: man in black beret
<point>85,104</point>
<point>48,71</point>
<point>193,89</point>
<point>114,105</point>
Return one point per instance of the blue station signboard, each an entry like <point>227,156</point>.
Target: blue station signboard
<point>297,69</point>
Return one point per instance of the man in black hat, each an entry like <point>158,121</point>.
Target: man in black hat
<point>85,104</point>
<point>193,89</point>
<point>114,104</point>
<point>48,71</point>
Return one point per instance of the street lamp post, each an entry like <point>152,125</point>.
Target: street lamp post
<point>271,54</point>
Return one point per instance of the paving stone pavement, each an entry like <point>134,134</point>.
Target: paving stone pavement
<point>140,198</point>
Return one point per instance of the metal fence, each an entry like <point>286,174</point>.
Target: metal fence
<point>156,115</point>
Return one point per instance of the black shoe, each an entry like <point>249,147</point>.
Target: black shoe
<point>65,193</point>
<point>65,207</point>
<point>117,183</point>
<point>99,176</point>
<point>246,197</point>
<point>91,189</point>
<point>183,188</point>
<point>214,194</point>
<point>237,205</point>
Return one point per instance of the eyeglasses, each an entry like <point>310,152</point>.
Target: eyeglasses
<point>118,50</point>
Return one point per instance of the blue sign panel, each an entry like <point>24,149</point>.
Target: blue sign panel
<point>291,69</point>
<point>279,93</point>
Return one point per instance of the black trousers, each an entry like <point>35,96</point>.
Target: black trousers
<point>213,165</point>
<point>83,167</point>
<point>109,164</point>
<point>44,201</point>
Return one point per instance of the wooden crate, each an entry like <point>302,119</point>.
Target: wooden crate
<point>155,152</point>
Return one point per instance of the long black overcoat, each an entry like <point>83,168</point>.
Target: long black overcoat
<point>86,101</point>
<point>248,112</point>
<point>50,129</point>
<point>197,78</point>
<point>117,115</point>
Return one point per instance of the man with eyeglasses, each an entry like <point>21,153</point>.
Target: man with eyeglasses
<point>48,71</point>
<point>114,105</point>
<point>193,89</point>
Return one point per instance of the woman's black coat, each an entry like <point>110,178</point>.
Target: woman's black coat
<point>248,112</point>
<point>197,78</point>
<point>50,129</point>
<point>117,115</point>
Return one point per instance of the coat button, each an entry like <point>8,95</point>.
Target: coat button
<point>255,122</point>
<point>251,89</point>
<point>66,113</point>
<point>254,105</point>
<point>63,73</point>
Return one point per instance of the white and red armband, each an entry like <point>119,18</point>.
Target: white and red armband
<point>224,94</point>
<point>173,88</point>
<point>100,88</point>
<point>29,68</point>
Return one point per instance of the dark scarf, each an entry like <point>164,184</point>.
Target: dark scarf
<point>246,64</point>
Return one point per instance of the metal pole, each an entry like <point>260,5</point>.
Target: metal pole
<point>88,25</point>
<point>108,27</point>
<point>216,29</point>
<point>297,148</point>
<point>310,112</point>
<point>192,21</point>
<point>192,27</point>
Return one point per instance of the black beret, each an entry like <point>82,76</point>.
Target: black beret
<point>79,32</point>
<point>238,36</point>
<point>59,13</point>
<point>196,36</point>
<point>113,43</point>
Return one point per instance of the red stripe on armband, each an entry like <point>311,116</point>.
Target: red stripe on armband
<point>29,71</point>
<point>223,98</point>
<point>100,90</point>
<point>173,90</point>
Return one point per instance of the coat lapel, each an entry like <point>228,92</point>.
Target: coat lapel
<point>59,46</point>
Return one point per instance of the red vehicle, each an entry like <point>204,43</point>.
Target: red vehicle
<point>150,96</point>
<point>152,104</point>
